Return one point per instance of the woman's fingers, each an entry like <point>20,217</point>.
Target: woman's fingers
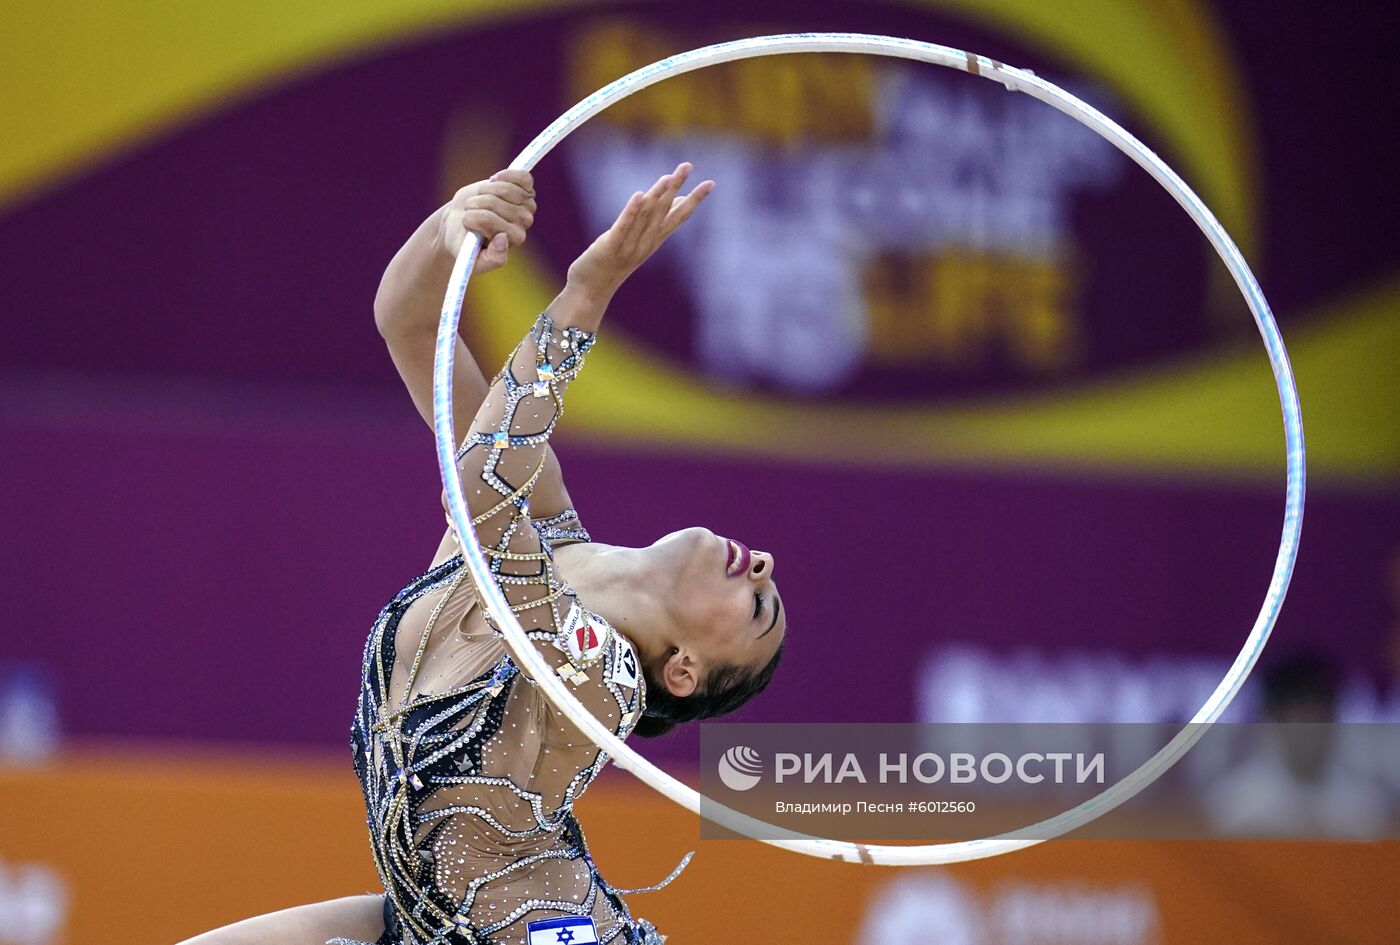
<point>487,224</point>
<point>628,217</point>
<point>683,207</point>
<point>665,180</point>
<point>503,204</point>
<point>489,208</point>
<point>498,211</point>
<point>649,218</point>
<point>515,213</point>
<point>520,178</point>
<point>644,223</point>
<point>668,198</point>
<point>671,185</point>
<point>512,193</point>
<point>668,194</point>
<point>495,254</point>
<point>646,208</point>
<point>638,237</point>
<point>658,198</point>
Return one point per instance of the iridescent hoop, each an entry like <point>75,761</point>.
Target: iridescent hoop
<point>1016,80</point>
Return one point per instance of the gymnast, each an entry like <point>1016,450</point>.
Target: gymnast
<point>469,774</point>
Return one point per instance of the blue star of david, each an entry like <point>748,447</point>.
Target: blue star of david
<point>565,936</point>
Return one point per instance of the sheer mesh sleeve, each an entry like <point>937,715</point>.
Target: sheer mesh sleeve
<point>469,773</point>
<point>505,453</point>
<point>503,456</point>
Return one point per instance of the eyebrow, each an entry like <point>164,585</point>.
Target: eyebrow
<point>777,606</point>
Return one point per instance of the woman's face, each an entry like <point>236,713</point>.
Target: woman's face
<point>725,609</point>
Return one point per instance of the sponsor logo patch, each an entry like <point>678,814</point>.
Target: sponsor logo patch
<point>584,635</point>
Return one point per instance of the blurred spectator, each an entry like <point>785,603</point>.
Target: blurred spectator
<point>29,728</point>
<point>34,903</point>
<point>1303,774</point>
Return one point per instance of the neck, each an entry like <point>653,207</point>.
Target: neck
<point>622,586</point>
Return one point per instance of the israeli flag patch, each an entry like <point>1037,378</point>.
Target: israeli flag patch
<point>565,930</point>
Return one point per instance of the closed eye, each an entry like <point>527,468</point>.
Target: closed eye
<point>777,608</point>
<point>757,605</point>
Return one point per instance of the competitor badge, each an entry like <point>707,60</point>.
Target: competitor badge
<point>624,668</point>
<point>565,930</point>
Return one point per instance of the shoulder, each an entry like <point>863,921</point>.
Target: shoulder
<point>602,667</point>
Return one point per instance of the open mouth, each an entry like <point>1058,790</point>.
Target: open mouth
<point>738,561</point>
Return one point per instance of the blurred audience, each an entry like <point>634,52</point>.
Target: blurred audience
<point>1302,773</point>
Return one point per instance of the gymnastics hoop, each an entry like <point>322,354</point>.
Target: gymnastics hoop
<point>1015,80</point>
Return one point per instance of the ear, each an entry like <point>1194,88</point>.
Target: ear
<point>680,674</point>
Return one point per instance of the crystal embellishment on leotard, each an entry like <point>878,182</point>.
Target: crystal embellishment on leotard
<point>446,827</point>
<point>544,376</point>
<point>497,682</point>
<point>572,674</point>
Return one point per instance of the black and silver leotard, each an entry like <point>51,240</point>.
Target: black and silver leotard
<point>469,774</point>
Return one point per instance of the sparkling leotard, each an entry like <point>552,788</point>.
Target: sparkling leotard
<point>469,774</point>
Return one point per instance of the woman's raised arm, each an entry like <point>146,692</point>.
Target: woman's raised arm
<point>406,309</point>
<point>409,302</point>
<point>504,455</point>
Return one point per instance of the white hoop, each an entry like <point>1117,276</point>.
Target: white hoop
<point>1016,80</point>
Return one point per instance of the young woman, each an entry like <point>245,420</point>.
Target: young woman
<point>469,774</point>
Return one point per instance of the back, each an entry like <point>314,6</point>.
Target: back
<point>469,774</point>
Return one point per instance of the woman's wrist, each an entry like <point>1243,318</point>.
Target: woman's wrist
<point>596,280</point>
<point>581,304</point>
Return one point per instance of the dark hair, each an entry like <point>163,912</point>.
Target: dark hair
<point>725,689</point>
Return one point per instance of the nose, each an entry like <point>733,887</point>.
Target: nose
<point>760,566</point>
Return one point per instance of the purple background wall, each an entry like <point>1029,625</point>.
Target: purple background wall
<point>212,481</point>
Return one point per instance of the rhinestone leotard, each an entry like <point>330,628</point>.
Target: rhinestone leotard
<point>469,774</point>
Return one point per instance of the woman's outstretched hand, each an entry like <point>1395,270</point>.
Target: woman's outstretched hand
<point>498,210</point>
<point>644,224</point>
